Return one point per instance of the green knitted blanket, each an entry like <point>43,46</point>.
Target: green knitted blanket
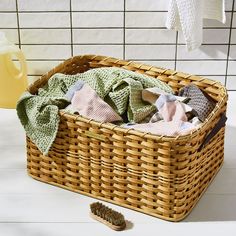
<point>120,88</point>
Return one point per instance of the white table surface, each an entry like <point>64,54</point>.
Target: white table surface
<point>31,208</point>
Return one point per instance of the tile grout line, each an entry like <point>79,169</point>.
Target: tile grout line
<point>93,11</point>
<point>124,29</point>
<point>110,27</point>
<point>228,52</point>
<point>18,24</point>
<point>176,48</point>
<point>129,44</point>
<point>71,30</point>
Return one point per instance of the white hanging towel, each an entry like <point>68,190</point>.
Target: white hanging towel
<point>188,15</point>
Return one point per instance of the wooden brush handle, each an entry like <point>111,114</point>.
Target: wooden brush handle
<point>114,227</point>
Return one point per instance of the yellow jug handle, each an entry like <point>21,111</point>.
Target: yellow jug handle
<point>23,69</point>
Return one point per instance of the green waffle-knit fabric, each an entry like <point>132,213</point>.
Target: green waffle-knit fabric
<point>120,88</point>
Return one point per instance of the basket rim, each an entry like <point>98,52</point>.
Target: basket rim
<point>163,71</point>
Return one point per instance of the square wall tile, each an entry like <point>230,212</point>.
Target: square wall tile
<point>204,52</point>
<point>147,36</point>
<point>202,67</point>
<point>161,64</point>
<point>220,79</point>
<point>215,36</point>
<point>97,19</point>
<point>231,82</point>
<point>86,36</point>
<point>104,50</point>
<point>45,36</point>
<point>210,36</point>
<point>233,36</point>
<point>55,52</point>
<point>150,52</point>
<point>43,5</point>
<point>232,52</point>
<point>232,68</point>
<point>145,19</point>
<point>41,67</point>
<point>229,5</point>
<point>208,23</point>
<point>44,20</point>
<point>234,19</point>
<point>147,5</point>
<point>8,5</point>
<point>94,5</point>
<point>11,34</point>
<point>8,20</point>
<point>231,109</point>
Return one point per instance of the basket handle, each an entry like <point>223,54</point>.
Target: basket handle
<point>220,124</point>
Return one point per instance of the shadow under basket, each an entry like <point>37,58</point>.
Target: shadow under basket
<point>157,175</point>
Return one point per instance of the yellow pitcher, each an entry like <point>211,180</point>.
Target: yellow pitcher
<point>13,81</point>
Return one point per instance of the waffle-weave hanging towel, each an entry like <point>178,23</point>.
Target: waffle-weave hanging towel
<point>188,15</point>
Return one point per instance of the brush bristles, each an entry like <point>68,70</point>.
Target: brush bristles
<point>107,214</point>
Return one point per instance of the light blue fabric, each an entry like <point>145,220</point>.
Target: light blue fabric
<point>71,91</point>
<point>163,99</point>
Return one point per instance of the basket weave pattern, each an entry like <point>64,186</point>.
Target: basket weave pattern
<point>158,175</point>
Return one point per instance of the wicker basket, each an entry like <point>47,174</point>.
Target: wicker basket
<point>157,175</point>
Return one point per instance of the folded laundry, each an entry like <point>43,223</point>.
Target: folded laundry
<point>168,105</point>
<point>171,118</point>
<point>200,102</point>
<point>152,94</point>
<point>170,109</point>
<point>87,103</point>
<point>120,88</point>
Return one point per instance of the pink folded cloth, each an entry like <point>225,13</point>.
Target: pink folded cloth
<point>167,128</point>
<point>173,111</point>
<point>87,103</point>
<point>170,120</point>
<point>169,108</point>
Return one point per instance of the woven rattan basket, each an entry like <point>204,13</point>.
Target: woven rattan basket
<point>157,175</point>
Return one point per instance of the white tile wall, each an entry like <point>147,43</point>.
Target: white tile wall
<point>111,50</point>
<point>98,36</point>
<point>43,5</point>
<point>93,5</point>
<point>146,5</point>
<point>145,19</point>
<point>233,36</point>
<point>202,67</point>
<point>232,54</point>
<point>204,52</point>
<point>159,52</point>
<point>231,82</point>
<point>8,5</point>
<point>232,68</point>
<point>8,20</point>
<point>216,24</point>
<point>97,19</point>
<point>46,51</point>
<point>211,36</point>
<point>41,67</point>
<point>51,31</point>
<point>45,36</point>
<point>11,34</point>
<point>150,36</point>
<point>44,20</point>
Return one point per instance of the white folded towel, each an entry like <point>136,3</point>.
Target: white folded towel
<point>188,15</point>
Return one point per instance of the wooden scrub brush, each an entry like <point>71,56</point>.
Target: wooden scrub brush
<point>107,216</point>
